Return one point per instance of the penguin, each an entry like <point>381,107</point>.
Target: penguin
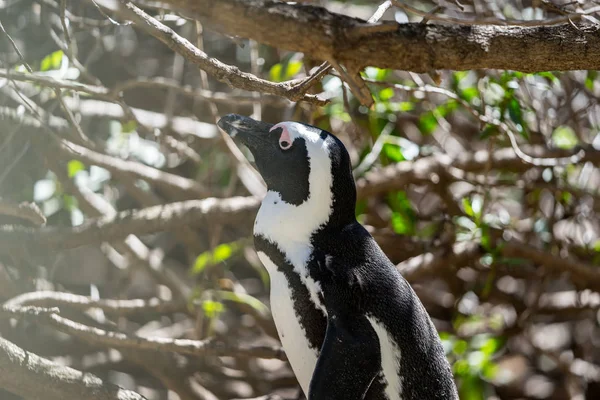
<point>351,325</point>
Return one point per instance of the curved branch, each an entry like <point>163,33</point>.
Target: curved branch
<point>220,71</point>
<point>49,316</point>
<point>412,47</point>
<point>47,298</point>
<point>33,377</point>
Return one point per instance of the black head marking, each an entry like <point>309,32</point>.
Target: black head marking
<point>283,159</point>
<point>285,171</point>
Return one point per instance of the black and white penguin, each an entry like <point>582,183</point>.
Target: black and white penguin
<point>350,324</point>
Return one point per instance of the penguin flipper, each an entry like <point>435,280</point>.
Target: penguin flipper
<point>350,359</point>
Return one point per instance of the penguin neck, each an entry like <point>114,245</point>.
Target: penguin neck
<point>290,225</point>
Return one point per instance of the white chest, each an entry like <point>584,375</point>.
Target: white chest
<point>302,357</point>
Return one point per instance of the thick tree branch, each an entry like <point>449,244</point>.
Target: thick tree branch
<point>34,377</point>
<point>412,47</point>
<point>139,222</point>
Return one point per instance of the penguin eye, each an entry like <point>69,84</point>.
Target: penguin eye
<point>285,144</point>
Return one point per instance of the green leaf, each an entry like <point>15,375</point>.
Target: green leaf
<point>393,152</point>
<point>427,123</point>
<point>246,299</point>
<point>52,61</point>
<point>460,347</point>
<point>275,73</point>
<point>386,94</point>
<point>403,216</point>
<point>471,388</point>
<point>492,345</point>
<point>129,127</point>
<point>469,93</point>
<point>466,202</point>
<point>377,74</point>
<point>69,202</point>
<point>516,115</point>
<point>402,224</point>
<point>219,254</point>
<point>461,368</point>
<point>73,167</point>
<point>337,110</point>
<point>292,69</point>
<point>590,78</point>
<point>489,131</point>
<point>514,110</point>
<point>489,370</point>
<point>550,76</point>
<point>285,70</point>
<point>564,137</point>
<point>402,106</point>
<point>212,309</point>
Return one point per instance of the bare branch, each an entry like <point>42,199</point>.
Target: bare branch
<point>584,275</point>
<point>428,265</point>
<point>111,306</point>
<point>428,170</point>
<point>411,47</point>
<point>34,377</point>
<point>139,222</point>
<point>220,71</point>
<point>122,340</point>
<point>179,184</point>
<point>26,211</point>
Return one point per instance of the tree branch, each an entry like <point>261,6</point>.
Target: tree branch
<point>34,377</point>
<point>428,265</point>
<point>27,211</point>
<point>139,222</point>
<point>585,276</point>
<point>46,298</point>
<point>412,46</point>
<point>427,170</point>
<point>220,71</point>
<point>117,339</point>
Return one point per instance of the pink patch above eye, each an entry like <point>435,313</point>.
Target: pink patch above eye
<point>285,141</point>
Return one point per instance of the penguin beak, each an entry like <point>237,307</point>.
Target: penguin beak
<point>250,132</point>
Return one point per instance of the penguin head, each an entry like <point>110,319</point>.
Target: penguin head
<point>301,163</point>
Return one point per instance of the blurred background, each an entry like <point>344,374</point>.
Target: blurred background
<point>500,240</point>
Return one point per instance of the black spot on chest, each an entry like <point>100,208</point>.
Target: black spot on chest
<point>310,317</point>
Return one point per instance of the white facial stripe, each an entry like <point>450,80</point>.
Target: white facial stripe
<point>289,225</point>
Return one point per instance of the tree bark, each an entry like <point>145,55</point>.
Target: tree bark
<point>412,46</point>
<point>33,377</point>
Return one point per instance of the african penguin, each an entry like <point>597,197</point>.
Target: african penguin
<point>350,324</point>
